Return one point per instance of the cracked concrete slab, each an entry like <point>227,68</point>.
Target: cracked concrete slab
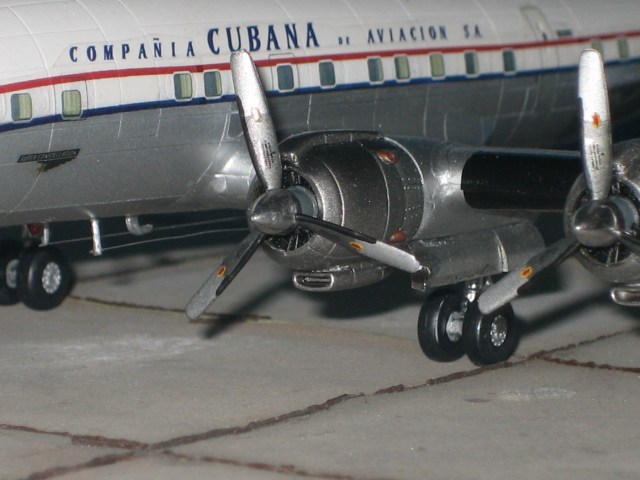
<point>280,384</point>
<point>149,376</point>
<point>531,420</point>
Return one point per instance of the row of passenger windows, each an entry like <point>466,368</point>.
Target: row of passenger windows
<point>183,85</point>
<point>22,110</point>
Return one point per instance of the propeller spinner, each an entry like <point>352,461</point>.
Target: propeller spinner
<point>279,211</point>
<point>600,221</point>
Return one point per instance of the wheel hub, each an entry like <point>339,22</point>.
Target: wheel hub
<point>454,326</point>
<point>498,332</point>
<point>51,278</point>
<point>11,274</point>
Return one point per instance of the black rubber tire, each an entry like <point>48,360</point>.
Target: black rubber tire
<point>34,266</point>
<point>9,257</point>
<point>482,348</point>
<point>432,326</point>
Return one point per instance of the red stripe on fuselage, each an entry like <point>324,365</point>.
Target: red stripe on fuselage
<point>153,71</point>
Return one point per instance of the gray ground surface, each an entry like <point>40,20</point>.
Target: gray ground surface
<point>117,384</point>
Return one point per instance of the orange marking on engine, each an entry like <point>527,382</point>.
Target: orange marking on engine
<point>398,237</point>
<point>356,246</point>
<point>526,272</point>
<point>221,271</point>
<point>597,120</point>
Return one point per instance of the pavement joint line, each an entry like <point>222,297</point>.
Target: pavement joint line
<point>590,365</point>
<point>252,426</point>
<point>583,343</point>
<point>224,319</point>
<point>102,461</point>
<point>80,440</point>
<point>265,467</point>
<point>204,319</point>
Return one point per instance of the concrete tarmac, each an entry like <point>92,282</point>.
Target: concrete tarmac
<point>274,383</point>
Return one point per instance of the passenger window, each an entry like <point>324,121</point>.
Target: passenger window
<point>212,84</point>
<point>183,86</point>
<point>403,71</point>
<point>376,74</point>
<point>623,48</point>
<point>509,61</point>
<point>21,109</point>
<point>471,63</point>
<point>437,65</point>
<point>286,81</point>
<point>327,74</point>
<point>597,45</point>
<point>71,104</point>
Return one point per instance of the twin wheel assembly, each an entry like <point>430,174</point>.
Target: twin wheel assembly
<point>450,326</point>
<point>41,278</point>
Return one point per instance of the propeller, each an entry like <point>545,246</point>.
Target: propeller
<point>279,211</point>
<point>601,221</point>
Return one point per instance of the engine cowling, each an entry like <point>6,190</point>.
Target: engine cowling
<point>358,180</point>
<point>394,190</point>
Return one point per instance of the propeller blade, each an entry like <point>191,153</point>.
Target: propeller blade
<point>256,120</point>
<point>597,150</point>
<point>223,276</point>
<point>508,288</point>
<point>362,244</point>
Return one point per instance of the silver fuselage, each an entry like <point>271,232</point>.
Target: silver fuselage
<point>159,156</point>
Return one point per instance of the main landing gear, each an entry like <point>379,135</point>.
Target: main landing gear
<point>451,325</point>
<point>39,277</point>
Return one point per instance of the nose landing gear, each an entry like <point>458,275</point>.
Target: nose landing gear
<point>450,325</point>
<point>39,277</point>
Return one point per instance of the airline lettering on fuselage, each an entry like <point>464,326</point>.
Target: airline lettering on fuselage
<point>128,50</point>
<point>221,41</point>
<point>419,33</point>
<point>255,38</point>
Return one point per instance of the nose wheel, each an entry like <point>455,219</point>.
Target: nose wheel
<point>41,278</point>
<point>450,326</point>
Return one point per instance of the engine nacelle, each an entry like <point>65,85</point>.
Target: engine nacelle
<point>394,190</point>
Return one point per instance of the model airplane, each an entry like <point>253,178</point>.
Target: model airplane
<point>120,108</point>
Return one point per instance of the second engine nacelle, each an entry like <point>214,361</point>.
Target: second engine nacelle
<point>394,190</point>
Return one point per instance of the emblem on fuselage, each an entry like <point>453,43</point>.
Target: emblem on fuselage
<point>50,159</point>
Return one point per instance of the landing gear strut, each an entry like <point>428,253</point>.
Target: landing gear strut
<point>450,325</point>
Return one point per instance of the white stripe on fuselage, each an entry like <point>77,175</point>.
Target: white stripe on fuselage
<point>128,59</point>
